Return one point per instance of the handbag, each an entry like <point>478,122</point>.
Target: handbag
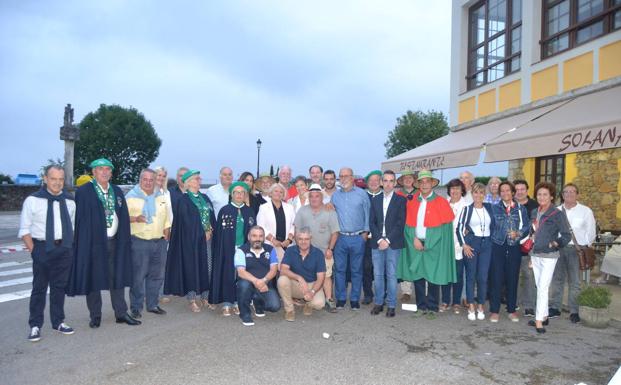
<point>586,254</point>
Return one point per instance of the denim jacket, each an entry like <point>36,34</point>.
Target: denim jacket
<point>464,232</point>
<point>554,229</point>
<point>517,220</point>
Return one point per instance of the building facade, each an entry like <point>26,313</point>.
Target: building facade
<point>532,69</point>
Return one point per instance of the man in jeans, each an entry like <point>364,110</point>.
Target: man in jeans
<point>352,208</point>
<point>302,272</point>
<point>526,288</point>
<point>150,229</point>
<point>256,264</point>
<point>582,224</point>
<point>387,224</point>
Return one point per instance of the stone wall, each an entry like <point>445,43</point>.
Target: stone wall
<point>12,196</point>
<point>598,181</point>
<point>516,169</point>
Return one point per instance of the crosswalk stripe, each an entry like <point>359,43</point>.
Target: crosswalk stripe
<point>12,264</point>
<point>15,272</point>
<point>22,294</point>
<point>17,281</point>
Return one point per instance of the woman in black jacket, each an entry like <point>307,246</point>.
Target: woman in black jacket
<point>550,233</point>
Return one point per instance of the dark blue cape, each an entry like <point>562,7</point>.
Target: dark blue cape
<point>175,195</point>
<point>223,275</point>
<point>187,265</point>
<point>91,270</point>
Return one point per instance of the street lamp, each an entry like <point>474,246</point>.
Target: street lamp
<point>258,155</point>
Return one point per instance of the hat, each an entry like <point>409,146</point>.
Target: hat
<point>83,179</point>
<point>405,173</point>
<point>239,184</point>
<point>315,187</point>
<point>374,172</point>
<point>188,174</point>
<point>259,180</point>
<point>426,174</point>
<point>101,162</point>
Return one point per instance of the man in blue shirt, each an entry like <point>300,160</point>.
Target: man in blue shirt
<point>302,272</point>
<point>256,264</point>
<point>352,208</point>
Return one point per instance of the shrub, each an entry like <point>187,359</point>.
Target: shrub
<point>595,297</point>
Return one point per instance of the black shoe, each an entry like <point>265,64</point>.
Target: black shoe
<point>355,305</point>
<point>544,323</point>
<point>340,305</point>
<point>390,312</point>
<point>35,334</point>
<point>540,330</point>
<point>127,319</point>
<point>156,310</point>
<point>95,322</point>
<point>529,313</point>
<point>136,314</point>
<point>553,313</point>
<point>574,318</point>
<point>367,300</point>
<point>377,309</point>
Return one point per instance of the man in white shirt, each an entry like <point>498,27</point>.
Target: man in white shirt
<point>582,224</point>
<point>46,227</point>
<point>219,193</point>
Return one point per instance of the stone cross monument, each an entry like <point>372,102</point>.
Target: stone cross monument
<point>70,133</point>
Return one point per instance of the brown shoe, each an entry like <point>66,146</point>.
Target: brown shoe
<point>226,311</point>
<point>194,308</point>
<point>236,309</point>
<point>164,300</point>
<point>308,309</point>
<point>290,316</point>
<point>406,298</point>
<point>205,303</point>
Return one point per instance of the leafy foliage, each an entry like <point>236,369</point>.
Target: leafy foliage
<point>596,297</point>
<point>415,129</point>
<point>123,136</point>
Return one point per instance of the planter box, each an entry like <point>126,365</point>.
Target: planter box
<point>595,318</point>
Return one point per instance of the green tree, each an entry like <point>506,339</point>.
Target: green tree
<point>122,135</point>
<point>51,162</point>
<point>415,129</point>
<point>5,178</point>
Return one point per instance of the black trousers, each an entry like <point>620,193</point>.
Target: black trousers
<point>49,269</point>
<point>117,296</point>
<point>367,271</point>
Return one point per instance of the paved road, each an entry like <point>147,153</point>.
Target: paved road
<point>186,348</point>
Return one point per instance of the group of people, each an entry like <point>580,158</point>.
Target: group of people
<point>251,245</point>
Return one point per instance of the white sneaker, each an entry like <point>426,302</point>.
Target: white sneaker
<point>471,315</point>
<point>480,315</point>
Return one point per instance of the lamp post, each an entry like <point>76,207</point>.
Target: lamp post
<point>258,155</point>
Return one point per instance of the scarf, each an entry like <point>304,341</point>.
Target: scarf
<point>148,209</point>
<point>107,200</point>
<point>203,209</point>
<point>65,219</point>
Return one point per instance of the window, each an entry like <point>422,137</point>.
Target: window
<point>569,23</point>
<point>551,169</point>
<point>494,40</point>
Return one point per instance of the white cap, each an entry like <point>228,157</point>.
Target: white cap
<point>315,187</point>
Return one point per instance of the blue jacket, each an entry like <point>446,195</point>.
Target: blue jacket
<point>465,235</point>
<point>395,220</point>
<point>517,220</point>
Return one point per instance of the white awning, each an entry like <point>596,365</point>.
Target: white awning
<point>461,148</point>
<point>586,123</point>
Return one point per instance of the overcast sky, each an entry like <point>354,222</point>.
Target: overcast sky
<point>318,81</point>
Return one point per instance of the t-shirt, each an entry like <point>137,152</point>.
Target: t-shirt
<point>257,269</point>
<point>321,224</point>
<point>308,267</point>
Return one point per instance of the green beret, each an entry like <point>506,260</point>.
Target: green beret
<point>238,183</point>
<point>374,172</point>
<point>101,162</point>
<point>188,174</point>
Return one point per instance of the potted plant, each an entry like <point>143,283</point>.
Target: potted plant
<point>593,304</point>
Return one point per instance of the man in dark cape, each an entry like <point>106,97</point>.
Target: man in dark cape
<point>101,261</point>
<point>188,264</point>
<point>226,241</point>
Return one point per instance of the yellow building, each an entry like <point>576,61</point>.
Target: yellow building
<point>536,83</point>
